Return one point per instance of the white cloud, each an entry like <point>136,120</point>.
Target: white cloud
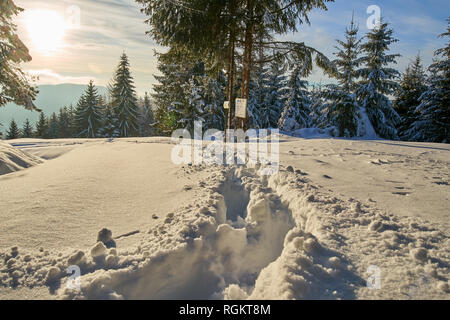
<point>47,76</point>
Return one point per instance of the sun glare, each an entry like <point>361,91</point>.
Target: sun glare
<point>46,29</point>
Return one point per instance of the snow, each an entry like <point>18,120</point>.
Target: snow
<point>12,159</point>
<point>313,231</point>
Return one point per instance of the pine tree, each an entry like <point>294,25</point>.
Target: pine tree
<point>342,105</point>
<point>124,99</point>
<point>413,85</point>
<point>378,81</point>
<point>15,86</point>
<point>258,92</point>
<point>146,117</point>
<point>53,126</point>
<point>296,111</point>
<point>214,97</point>
<point>65,129</point>
<point>270,111</point>
<point>42,127</point>
<point>88,113</point>
<point>433,124</point>
<point>167,93</point>
<point>110,124</point>
<point>27,131</point>
<point>192,109</point>
<point>13,131</point>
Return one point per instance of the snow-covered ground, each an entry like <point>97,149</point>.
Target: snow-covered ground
<point>338,213</point>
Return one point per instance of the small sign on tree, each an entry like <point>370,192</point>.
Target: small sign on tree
<point>226,105</point>
<point>241,108</point>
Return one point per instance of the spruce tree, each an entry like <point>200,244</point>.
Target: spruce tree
<point>146,117</point>
<point>53,126</point>
<point>433,124</point>
<point>379,81</point>
<point>64,123</point>
<point>413,85</point>
<point>13,131</point>
<point>15,86</point>
<point>110,124</point>
<point>42,127</point>
<point>167,93</point>
<point>89,113</point>
<point>275,92</point>
<point>192,109</point>
<point>27,131</point>
<point>124,99</point>
<point>214,97</point>
<point>342,105</point>
<point>296,113</point>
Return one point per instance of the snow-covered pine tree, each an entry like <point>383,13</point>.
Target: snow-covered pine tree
<point>342,105</point>
<point>433,124</point>
<point>319,109</point>
<point>64,123</point>
<point>167,92</point>
<point>13,131</point>
<point>192,109</point>
<point>146,117</point>
<point>270,111</point>
<point>379,81</point>
<point>413,85</point>
<point>124,99</point>
<point>88,116</point>
<point>42,127</point>
<point>27,130</point>
<point>15,85</point>
<point>53,126</point>
<point>110,127</point>
<point>214,97</point>
<point>296,113</point>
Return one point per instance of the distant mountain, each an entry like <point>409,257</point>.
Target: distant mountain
<point>50,99</point>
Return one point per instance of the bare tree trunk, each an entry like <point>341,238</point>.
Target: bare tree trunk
<point>248,48</point>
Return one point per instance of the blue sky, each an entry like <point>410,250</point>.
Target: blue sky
<point>108,27</point>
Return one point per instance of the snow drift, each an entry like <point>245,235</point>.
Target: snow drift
<point>13,159</point>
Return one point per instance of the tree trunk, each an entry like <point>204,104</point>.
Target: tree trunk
<point>248,49</point>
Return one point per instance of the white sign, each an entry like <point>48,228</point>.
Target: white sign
<point>241,108</point>
<point>226,105</point>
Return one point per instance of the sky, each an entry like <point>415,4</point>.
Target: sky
<point>97,32</point>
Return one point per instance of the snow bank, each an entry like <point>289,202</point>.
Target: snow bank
<point>243,235</point>
<point>285,240</point>
<point>13,159</point>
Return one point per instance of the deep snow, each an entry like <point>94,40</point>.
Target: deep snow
<point>199,232</point>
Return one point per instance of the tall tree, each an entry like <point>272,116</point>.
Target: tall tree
<point>124,99</point>
<point>274,98</point>
<point>296,112</point>
<point>89,113</point>
<point>226,25</point>
<point>15,85</point>
<point>379,81</point>
<point>27,130</point>
<point>42,127</point>
<point>433,124</point>
<point>13,131</point>
<point>413,85</point>
<point>342,106</point>
<point>53,126</point>
<point>146,117</point>
<point>65,125</point>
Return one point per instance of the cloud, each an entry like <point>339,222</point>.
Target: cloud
<point>47,76</point>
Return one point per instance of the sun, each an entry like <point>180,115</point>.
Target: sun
<point>46,29</point>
